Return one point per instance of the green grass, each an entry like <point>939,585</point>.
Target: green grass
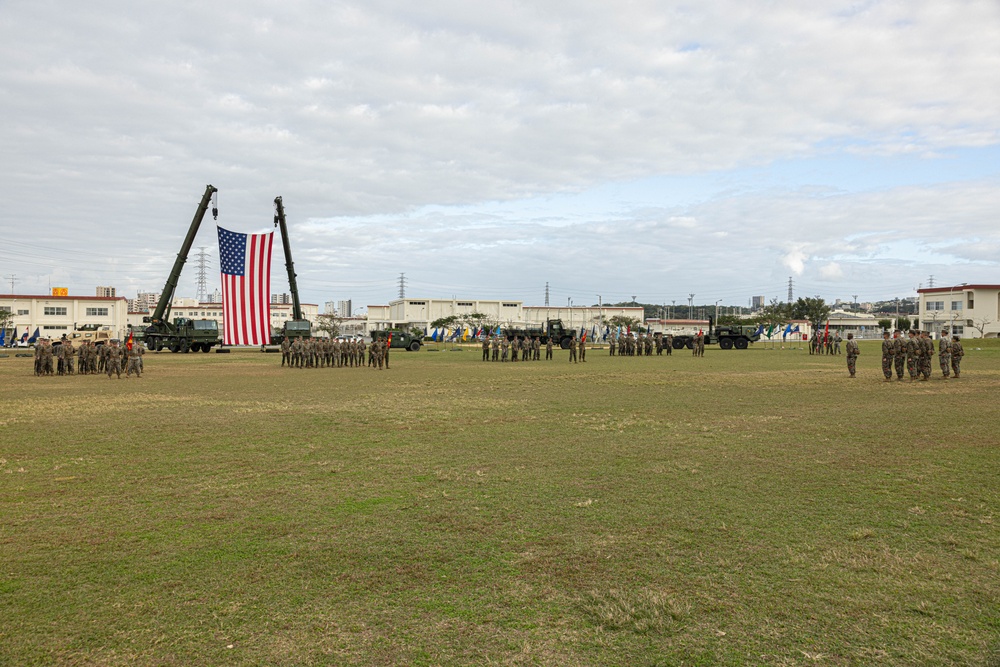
<point>752,507</point>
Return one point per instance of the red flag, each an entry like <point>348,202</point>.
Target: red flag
<point>389,344</point>
<point>584,338</point>
<point>826,333</point>
<point>245,263</point>
<point>128,341</point>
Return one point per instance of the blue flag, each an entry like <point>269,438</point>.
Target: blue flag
<point>434,336</point>
<point>759,331</point>
<point>3,336</point>
<point>788,329</point>
<point>498,329</point>
<point>34,336</point>
<point>796,329</point>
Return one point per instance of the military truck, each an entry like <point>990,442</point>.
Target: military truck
<point>298,326</point>
<point>553,329</point>
<point>182,334</point>
<point>727,336</point>
<point>400,339</point>
<point>85,333</point>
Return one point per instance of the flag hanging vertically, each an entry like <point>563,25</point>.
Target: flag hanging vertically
<point>34,336</point>
<point>3,336</point>
<point>130,341</point>
<point>245,263</point>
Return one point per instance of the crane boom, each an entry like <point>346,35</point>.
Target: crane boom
<point>298,326</point>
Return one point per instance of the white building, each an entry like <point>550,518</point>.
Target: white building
<point>207,310</point>
<point>408,313</point>
<point>969,311</point>
<point>55,315</point>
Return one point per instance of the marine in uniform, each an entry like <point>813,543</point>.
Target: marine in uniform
<point>888,353</point>
<point>113,363</point>
<point>944,353</point>
<point>852,354</point>
<point>957,352</point>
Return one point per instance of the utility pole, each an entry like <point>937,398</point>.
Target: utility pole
<point>855,302</point>
<point>546,294</point>
<point>673,304</point>
<point>930,283</point>
<point>690,306</point>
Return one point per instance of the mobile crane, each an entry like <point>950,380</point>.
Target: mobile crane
<point>298,326</point>
<point>183,334</point>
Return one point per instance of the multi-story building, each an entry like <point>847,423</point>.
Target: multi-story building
<point>105,291</point>
<point>969,311</point>
<point>53,316</point>
<point>281,298</point>
<point>344,308</point>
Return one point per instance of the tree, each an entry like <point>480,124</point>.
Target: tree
<point>813,309</point>
<point>981,324</point>
<point>903,323</point>
<point>773,315</point>
<point>623,321</point>
<point>445,322</point>
<point>477,320</point>
<point>329,324</point>
<point>5,320</point>
<point>885,325</point>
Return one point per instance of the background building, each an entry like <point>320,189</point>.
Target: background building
<point>105,291</point>
<point>55,315</point>
<point>969,311</point>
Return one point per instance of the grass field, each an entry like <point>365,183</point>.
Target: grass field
<point>747,508</point>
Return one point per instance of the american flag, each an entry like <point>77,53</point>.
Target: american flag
<point>245,261</point>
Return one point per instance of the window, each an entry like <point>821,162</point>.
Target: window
<point>935,305</point>
<point>972,304</point>
<point>510,305</point>
<point>464,303</point>
<point>956,305</point>
<point>97,312</point>
<point>55,310</point>
<point>54,326</point>
<point>419,303</point>
<point>25,312</point>
<point>958,330</point>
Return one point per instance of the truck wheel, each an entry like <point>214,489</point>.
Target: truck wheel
<point>726,343</point>
<point>185,346</point>
<point>678,343</point>
<point>565,343</point>
<point>205,347</point>
<point>690,344</point>
<point>415,346</point>
<point>195,347</point>
<point>742,343</point>
<point>174,347</point>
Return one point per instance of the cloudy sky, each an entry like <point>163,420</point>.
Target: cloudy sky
<point>485,149</point>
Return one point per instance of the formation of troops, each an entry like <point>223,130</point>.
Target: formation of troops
<point>825,343</point>
<point>334,353</point>
<point>915,353</point>
<point>522,348</point>
<point>62,358</point>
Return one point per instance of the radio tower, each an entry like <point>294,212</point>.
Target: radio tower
<point>202,275</point>
<point>789,289</point>
<point>402,285</point>
<point>546,294</point>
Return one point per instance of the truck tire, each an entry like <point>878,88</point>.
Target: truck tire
<point>690,344</point>
<point>174,347</point>
<point>205,347</point>
<point>742,343</point>
<point>185,345</point>
<point>415,346</point>
<point>565,343</point>
<point>195,347</point>
<point>679,343</point>
<point>726,343</point>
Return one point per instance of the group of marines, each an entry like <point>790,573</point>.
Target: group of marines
<point>519,348</point>
<point>334,353</point>
<point>825,343</point>
<point>916,353</point>
<point>88,359</point>
<point>632,345</point>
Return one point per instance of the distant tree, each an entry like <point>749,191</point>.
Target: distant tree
<point>815,310</point>
<point>623,321</point>
<point>445,322</point>
<point>981,324</point>
<point>417,331</point>
<point>477,320</point>
<point>773,315</point>
<point>329,324</point>
<point>903,323</point>
<point>885,325</point>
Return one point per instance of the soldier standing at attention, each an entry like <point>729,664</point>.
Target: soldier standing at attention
<point>38,358</point>
<point>572,350</point>
<point>669,344</point>
<point>944,353</point>
<point>911,354</point>
<point>132,365</point>
<point>515,349</point>
<point>899,353</point>
<point>286,349</point>
<point>495,347</point>
<point>888,353</point>
<point>548,348</point>
<point>486,349</point>
<point>836,342</point>
<point>504,345</point>
<point>956,356</point>
<point>536,347</point>
<point>113,363</point>
<point>612,344</point>
<point>583,349</point>
<point>385,351</point>
<point>852,354</point>
<point>927,345</point>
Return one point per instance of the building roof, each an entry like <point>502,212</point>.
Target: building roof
<point>63,298</point>
<point>955,288</point>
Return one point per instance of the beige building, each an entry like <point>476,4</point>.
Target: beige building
<point>407,313</point>
<point>969,311</point>
<point>55,315</point>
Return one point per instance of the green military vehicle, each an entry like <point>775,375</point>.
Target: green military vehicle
<point>553,329</point>
<point>727,336</point>
<point>182,334</point>
<point>400,339</point>
<point>298,326</point>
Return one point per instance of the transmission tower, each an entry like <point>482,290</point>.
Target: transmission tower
<point>202,275</point>
<point>789,289</point>
<point>930,282</point>
<point>546,294</point>
<point>402,285</point>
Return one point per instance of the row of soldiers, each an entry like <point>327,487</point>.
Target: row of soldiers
<point>88,359</point>
<point>521,348</point>
<point>916,353</point>
<point>334,353</point>
<point>630,345</point>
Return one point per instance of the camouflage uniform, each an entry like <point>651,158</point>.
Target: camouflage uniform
<point>548,349</point>
<point>572,351</point>
<point>911,355</point>
<point>113,362</point>
<point>132,365</point>
<point>612,344</point>
<point>286,352</point>
<point>957,352</point>
<point>888,352</point>
<point>669,344</point>
<point>504,346</point>
<point>927,347</point>
<point>495,347</point>
<point>852,354</point>
<point>525,349</point>
<point>944,353</point>
<point>899,353</point>
<point>583,350</point>
<point>486,349</point>
<point>536,346</point>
